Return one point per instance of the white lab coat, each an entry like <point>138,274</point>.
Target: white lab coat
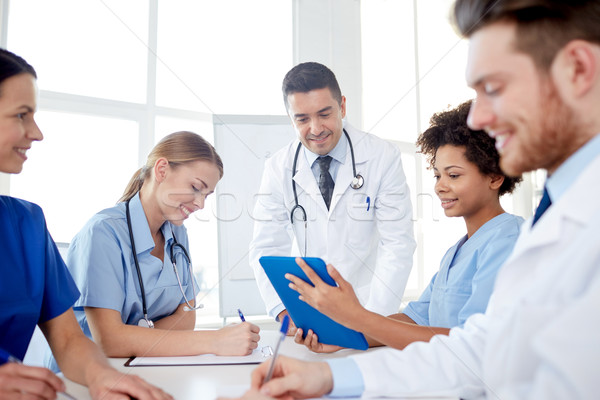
<point>371,244</point>
<point>539,337</point>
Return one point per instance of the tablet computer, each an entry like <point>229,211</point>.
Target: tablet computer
<point>303,315</point>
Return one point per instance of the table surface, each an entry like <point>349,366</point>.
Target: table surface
<point>207,381</point>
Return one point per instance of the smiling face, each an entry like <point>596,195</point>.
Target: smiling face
<point>463,190</point>
<point>18,130</point>
<point>183,189</point>
<point>317,117</point>
<point>517,104</point>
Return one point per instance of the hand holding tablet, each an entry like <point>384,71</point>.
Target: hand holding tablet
<point>304,315</point>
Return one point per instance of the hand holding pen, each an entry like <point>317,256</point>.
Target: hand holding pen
<point>18,379</point>
<point>283,331</point>
<point>289,377</point>
<point>241,314</point>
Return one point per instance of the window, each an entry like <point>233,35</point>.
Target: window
<point>77,170</point>
<point>117,76</point>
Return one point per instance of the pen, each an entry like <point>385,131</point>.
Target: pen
<point>241,314</point>
<point>284,327</point>
<point>6,357</point>
<point>368,203</point>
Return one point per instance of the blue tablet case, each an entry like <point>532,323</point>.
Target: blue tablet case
<point>303,315</point>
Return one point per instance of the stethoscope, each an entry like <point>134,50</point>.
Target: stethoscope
<point>357,182</point>
<point>147,322</point>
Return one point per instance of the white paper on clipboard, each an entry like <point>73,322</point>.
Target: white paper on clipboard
<point>259,355</point>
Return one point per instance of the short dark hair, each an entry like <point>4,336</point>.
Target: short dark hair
<point>450,128</point>
<point>543,26</point>
<point>310,76</point>
<point>11,65</point>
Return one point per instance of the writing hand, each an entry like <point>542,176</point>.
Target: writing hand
<point>237,340</point>
<point>293,378</point>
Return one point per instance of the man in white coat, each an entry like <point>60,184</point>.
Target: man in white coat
<point>535,69</point>
<point>354,205</point>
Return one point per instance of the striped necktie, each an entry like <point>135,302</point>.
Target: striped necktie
<point>326,183</point>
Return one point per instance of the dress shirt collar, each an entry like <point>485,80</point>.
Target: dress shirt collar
<point>560,181</point>
<point>338,153</point>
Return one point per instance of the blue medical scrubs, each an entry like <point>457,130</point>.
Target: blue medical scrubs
<point>35,285</point>
<point>101,262</point>
<point>100,258</point>
<point>465,281</point>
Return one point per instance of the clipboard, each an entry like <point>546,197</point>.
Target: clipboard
<point>303,315</point>
<point>259,355</point>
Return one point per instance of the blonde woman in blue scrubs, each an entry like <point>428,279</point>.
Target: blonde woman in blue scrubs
<point>157,317</point>
<point>469,183</point>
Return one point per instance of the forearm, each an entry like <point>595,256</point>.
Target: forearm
<point>398,317</point>
<point>397,331</point>
<point>83,361</point>
<point>130,341</point>
<point>180,320</point>
<point>77,356</point>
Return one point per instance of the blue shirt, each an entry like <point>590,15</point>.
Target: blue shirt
<point>35,285</point>
<point>465,281</point>
<point>101,261</point>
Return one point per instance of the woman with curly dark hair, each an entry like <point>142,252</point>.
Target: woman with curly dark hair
<point>469,183</point>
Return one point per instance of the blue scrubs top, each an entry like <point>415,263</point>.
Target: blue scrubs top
<point>465,281</point>
<point>35,285</point>
<point>101,262</point>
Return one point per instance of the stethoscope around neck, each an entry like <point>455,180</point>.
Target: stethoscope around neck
<point>357,182</point>
<point>147,322</point>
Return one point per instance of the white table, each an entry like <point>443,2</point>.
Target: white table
<point>206,382</point>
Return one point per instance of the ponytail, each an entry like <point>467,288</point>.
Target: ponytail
<point>134,186</point>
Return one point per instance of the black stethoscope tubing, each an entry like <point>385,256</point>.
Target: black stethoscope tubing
<point>172,257</point>
<point>357,181</point>
<point>137,266</point>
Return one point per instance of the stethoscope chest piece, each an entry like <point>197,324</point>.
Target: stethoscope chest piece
<point>146,323</point>
<point>357,182</point>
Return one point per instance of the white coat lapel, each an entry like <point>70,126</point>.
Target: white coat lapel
<point>546,232</point>
<point>345,173</point>
<point>342,182</point>
<point>306,182</point>
<point>578,203</point>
